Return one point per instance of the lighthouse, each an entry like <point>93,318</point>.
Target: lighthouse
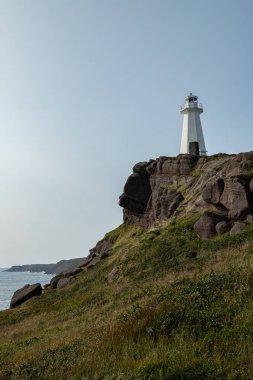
<point>192,135</point>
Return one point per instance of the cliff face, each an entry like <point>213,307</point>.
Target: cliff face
<point>219,187</point>
<point>144,292</point>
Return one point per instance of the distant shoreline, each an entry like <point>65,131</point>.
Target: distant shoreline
<point>57,268</point>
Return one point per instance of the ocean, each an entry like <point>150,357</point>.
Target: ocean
<point>12,281</point>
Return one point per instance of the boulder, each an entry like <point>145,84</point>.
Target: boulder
<point>249,218</point>
<point>237,228</point>
<point>55,279</point>
<point>213,191</point>
<point>235,198</point>
<point>85,262</point>
<point>93,262</point>
<point>72,272</point>
<point>222,227</point>
<point>25,293</point>
<point>136,193</point>
<point>101,248</point>
<point>205,227</point>
<point>64,275</point>
<point>64,281</point>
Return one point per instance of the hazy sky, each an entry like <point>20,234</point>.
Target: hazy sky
<point>90,87</point>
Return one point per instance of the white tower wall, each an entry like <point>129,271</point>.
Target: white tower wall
<point>192,129</point>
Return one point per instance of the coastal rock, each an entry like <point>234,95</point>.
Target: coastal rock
<point>25,293</point>
<point>101,248</point>
<point>237,228</point>
<point>72,272</point>
<point>164,204</point>
<point>213,191</point>
<point>64,281</point>
<point>222,227</point>
<point>137,190</point>
<point>235,198</point>
<point>64,275</point>
<point>93,262</point>
<point>85,262</point>
<point>55,279</point>
<point>205,227</point>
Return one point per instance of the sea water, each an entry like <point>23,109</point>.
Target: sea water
<point>12,281</point>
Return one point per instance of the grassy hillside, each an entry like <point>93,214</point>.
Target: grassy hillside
<point>178,308</point>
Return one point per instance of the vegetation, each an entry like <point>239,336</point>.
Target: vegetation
<point>178,308</point>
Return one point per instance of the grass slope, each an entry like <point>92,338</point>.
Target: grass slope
<point>178,308</point>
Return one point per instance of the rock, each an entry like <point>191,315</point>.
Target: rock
<point>235,199</point>
<point>222,227</point>
<point>249,218</point>
<point>136,193</point>
<point>167,204</point>
<point>216,183</point>
<point>85,262</point>
<point>140,168</point>
<point>112,275</point>
<point>170,167</point>
<point>237,228</point>
<point>55,280</point>
<point>24,294</point>
<point>93,263</point>
<point>205,227</point>
<point>102,247</point>
<point>72,272</point>
<point>64,275</point>
<point>64,281</point>
<point>187,164</point>
<point>213,191</point>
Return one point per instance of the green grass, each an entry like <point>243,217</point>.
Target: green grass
<point>179,308</point>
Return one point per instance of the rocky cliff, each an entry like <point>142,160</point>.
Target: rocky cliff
<point>159,281</point>
<point>219,187</point>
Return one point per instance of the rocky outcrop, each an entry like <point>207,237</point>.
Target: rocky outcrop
<point>222,227</point>
<point>25,293</point>
<point>169,187</point>
<point>98,253</point>
<point>60,280</point>
<point>236,198</point>
<point>137,190</point>
<point>64,281</point>
<point>237,228</point>
<point>213,191</point>
<point>205,227</point>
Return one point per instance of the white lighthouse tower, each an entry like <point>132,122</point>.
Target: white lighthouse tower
<point>192,135</point>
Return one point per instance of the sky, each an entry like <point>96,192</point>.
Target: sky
<point>90,87</point>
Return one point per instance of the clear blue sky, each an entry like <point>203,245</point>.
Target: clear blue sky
<point>90,87</point>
